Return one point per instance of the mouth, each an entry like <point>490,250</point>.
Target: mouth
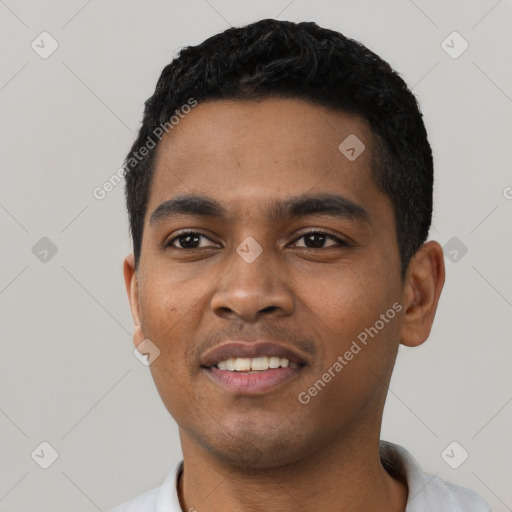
<point>254,364</point>
<point>264,367</point>
<point>252,381</point>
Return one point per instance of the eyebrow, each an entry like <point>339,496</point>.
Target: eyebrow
<point>326,204</point>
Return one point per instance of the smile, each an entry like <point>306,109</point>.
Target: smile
<point>252,382</point>
<point>254,364</point>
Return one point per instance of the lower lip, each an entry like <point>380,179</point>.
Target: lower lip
<point>252,383</point>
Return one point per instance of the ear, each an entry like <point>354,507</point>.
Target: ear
<point>423,284</point>
<point>130,280</point>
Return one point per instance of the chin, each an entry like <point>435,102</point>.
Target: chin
<point>247,448</point>
<point>255,458</point>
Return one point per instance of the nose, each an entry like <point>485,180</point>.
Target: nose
<point>250,290</point>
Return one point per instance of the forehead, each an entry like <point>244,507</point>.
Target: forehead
<point>247,154</point>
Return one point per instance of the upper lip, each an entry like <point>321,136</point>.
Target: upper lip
<point>249,350</point>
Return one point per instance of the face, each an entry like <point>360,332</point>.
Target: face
<point>266,264</point>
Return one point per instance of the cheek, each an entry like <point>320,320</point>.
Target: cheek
<point>167,310</point>
<point>173,309</point>
<point>166,300</point>
<point>347,302</point>
<point>351,326</point>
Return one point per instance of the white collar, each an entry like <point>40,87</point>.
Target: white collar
<point>426,492</point>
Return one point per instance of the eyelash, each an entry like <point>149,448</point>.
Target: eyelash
<point>328,234</point>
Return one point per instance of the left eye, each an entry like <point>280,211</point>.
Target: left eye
<point>316,239</point>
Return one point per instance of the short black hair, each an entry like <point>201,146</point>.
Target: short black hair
<point>276,58</point>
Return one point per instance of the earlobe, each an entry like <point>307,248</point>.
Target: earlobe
<point>130,279</point>
<point>423,286</point>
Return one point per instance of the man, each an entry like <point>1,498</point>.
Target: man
<point>280,196</point>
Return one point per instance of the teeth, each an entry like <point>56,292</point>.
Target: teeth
<point>223,365</point>
<point>259,363</point>
<point>246,364</point>
<point>242,364</point>
<point>273,362</point>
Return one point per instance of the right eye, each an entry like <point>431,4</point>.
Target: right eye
<point>187,239</point>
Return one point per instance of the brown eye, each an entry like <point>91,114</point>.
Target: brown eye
<point>317,239</point>
<point>187,240</point>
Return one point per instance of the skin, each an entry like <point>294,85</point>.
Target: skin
<point>243,452</point>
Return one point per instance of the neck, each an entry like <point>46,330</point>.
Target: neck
<point>344,475</point>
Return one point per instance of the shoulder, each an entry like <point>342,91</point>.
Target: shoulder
<point>428,492</point>
<point>465,499</point>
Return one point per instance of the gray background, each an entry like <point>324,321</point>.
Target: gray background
<point>68,375</point>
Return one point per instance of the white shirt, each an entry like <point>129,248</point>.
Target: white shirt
<point>427,493</point>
